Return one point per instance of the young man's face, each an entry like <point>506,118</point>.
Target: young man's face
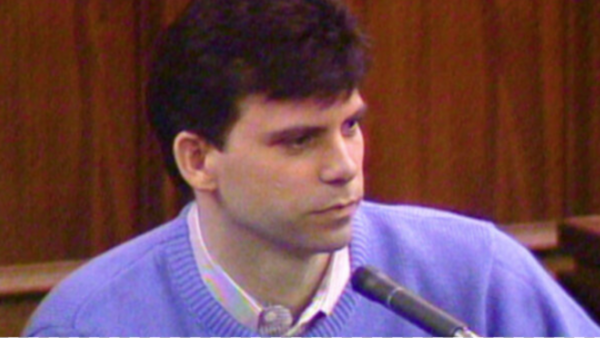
<point>291,173</point>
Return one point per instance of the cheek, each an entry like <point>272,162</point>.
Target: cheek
<point>243,174</point>
<point>292,182</point>
<point>262,181</point>
<point>358,150</point>
<point>288,178</point>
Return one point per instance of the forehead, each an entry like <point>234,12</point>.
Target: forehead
<point>259,113</point>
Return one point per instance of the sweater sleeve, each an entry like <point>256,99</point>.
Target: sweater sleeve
<point>524,300</point>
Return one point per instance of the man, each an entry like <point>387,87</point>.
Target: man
<point>257,106</point>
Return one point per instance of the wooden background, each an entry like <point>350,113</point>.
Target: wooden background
<point>489,108</point>
<point>486,107</point>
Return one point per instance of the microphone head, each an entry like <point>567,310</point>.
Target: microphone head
<point>372,283</point>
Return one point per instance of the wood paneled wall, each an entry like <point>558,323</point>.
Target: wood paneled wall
<point>489,108</point>
<point>80,170</point>
<point>582,92</point>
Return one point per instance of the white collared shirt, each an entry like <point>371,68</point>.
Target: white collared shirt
<point>271,320</point>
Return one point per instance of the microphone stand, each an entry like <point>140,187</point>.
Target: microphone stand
<point>377,286</point>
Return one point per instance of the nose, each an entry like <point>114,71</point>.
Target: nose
<point>342,162</point>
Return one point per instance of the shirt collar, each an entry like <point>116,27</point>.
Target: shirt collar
<point>242,306</point>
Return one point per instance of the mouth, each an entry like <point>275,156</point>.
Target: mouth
<point>343,207</point>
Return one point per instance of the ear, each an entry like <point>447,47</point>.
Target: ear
<point>191,154</point>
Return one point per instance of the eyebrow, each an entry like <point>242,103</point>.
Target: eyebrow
<point>307,130</point>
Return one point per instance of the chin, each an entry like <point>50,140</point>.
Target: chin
<point>328,242</point>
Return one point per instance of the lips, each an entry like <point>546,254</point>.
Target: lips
<point>339,207</point>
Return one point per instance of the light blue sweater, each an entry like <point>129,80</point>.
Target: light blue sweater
<point>150,286</point>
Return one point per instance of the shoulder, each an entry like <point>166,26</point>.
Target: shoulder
<point>431,242</point>
<point>525,300</point>
<point>414,213</point>
<point>471,268</point>
<point>102,288</point>
<point>424,241</point>
<point>434,230</point>
<point>416,222</point>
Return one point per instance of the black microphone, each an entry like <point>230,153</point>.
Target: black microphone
<point>380,288</point>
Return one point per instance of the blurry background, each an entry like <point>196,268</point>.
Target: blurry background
<point>490,108</point>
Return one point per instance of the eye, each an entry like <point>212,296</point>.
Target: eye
<point>299,142</point>
<point>351,126</point>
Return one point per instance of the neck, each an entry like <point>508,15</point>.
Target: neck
<point>268,272</point>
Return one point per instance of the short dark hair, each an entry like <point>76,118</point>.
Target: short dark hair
<point>220,51</point>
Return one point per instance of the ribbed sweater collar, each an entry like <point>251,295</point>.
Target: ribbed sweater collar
<point>210,316</point>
